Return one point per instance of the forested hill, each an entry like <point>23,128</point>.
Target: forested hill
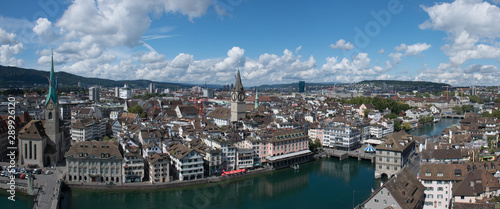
<point>397,83</point>
<point>15,77</point>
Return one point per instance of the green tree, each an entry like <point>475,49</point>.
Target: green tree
<point>314,145</point>
<point>427,95</point>
<point>457,109</point>
<point>467,108</point>
<point>138,110</point>
<point>406,126</point>
<point>391,116</point>
<point>397,125</point>
<point>366,112</point>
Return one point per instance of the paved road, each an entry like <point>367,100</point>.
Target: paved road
<point>47,186</point>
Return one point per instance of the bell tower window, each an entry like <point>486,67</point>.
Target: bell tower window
<point>50,115</point>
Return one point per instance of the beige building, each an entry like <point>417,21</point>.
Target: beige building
<point>95,161</point>
<point>393,153</point>
<point>133,167</point>
<point>159,168</point>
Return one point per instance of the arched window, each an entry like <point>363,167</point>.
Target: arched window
<point>31,154</point>
<point>117,179</point>
<point>34,151</point>
<point>26,151</point>
<point>50,115</point>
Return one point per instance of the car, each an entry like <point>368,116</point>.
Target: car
<point>22,176</point>
<point>37,171</point>
<point>3,173</point>
<point>48,172</point>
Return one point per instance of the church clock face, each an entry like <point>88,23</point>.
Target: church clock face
<point>234,97</point>
<point>50,106</point>
<point>241,97</point>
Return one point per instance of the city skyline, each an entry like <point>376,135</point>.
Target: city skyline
<point>454,42</point>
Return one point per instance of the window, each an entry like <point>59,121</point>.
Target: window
<point>462,197</point>
<point>430,196</point>
<point>385,202</point>
<point>376,200</point>
<point>427,182</point>
<point>440,174</point>
<point>428,174</point>
<point>429,189</point>
<point>439,182</point>
<point>440,196</point>
<point>440,188</point>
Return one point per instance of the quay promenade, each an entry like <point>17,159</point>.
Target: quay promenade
<point>359,153</point>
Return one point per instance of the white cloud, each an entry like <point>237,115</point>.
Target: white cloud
<point>472,27</point>
<point>342,44</point>
<point>7,38</point>
<point>8,47</point>
<point>43,29</point>
<point>381,51</point>
<point>475,74</point>
<point>416,49</point>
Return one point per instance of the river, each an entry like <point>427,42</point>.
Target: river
<point>325,183</point>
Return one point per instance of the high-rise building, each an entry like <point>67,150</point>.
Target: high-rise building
<point>117,92</point>
<point>125,92</point>
<point>94,93</point>
<point>237,100</point>
<point>152,87</point>
<point>302,86</point>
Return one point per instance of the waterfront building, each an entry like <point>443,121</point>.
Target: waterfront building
<point>401,191</point>
<point>341,137</point>
<point>284,148</point>
<point>211,156</point>
<point>187,164</point>
<point>88,129</point>
<point>245,158</point>
<point>44,144</point>
<point>95,161</point>
<point>238,106</point>
<point>159,168</point>
<point>133,167</point>
<point>443,156</point>
<point>393,153</point>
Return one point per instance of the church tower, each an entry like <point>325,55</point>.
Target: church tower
<point>52,118</point>
<point>238,106</point>
<point>256,105</point>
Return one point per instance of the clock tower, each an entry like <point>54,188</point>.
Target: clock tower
<point>52,124</point>
<point>238,100</point>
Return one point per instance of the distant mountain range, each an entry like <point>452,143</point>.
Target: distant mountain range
<point>410,84</point>
<point>15,77</point>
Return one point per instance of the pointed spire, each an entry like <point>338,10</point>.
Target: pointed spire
<point>51,95</point>
<point>256,105</point>
<point>238,87</point>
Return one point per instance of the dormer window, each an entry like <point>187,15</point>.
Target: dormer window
<point>440,174</point>
<point>427,173</point>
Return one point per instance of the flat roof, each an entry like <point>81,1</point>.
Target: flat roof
<point>279,157</point>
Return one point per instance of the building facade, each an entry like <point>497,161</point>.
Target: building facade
<point>94,161</point>
<point>393,153</point>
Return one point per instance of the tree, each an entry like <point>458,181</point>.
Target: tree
<point>457,109</point>
<point>467,108</point>
<point>397,125</point>
<point>406,126</point>
<point>138,110</point>
<point>366,112</point>
<point>427,95</point>
<point>391,116</point>
<point>314,145</point>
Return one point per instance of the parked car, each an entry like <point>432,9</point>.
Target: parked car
<point>37,171</point>
<point>22,176</point>
<point>48,172</point>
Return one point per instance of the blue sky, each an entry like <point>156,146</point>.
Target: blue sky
<point>198,41</point>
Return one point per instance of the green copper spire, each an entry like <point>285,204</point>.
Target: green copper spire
<point>52,85</point>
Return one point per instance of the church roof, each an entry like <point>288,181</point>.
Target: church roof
<point>33,130</point>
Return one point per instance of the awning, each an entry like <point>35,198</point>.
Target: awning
<point>369,149</point>
<point>257,164</point>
